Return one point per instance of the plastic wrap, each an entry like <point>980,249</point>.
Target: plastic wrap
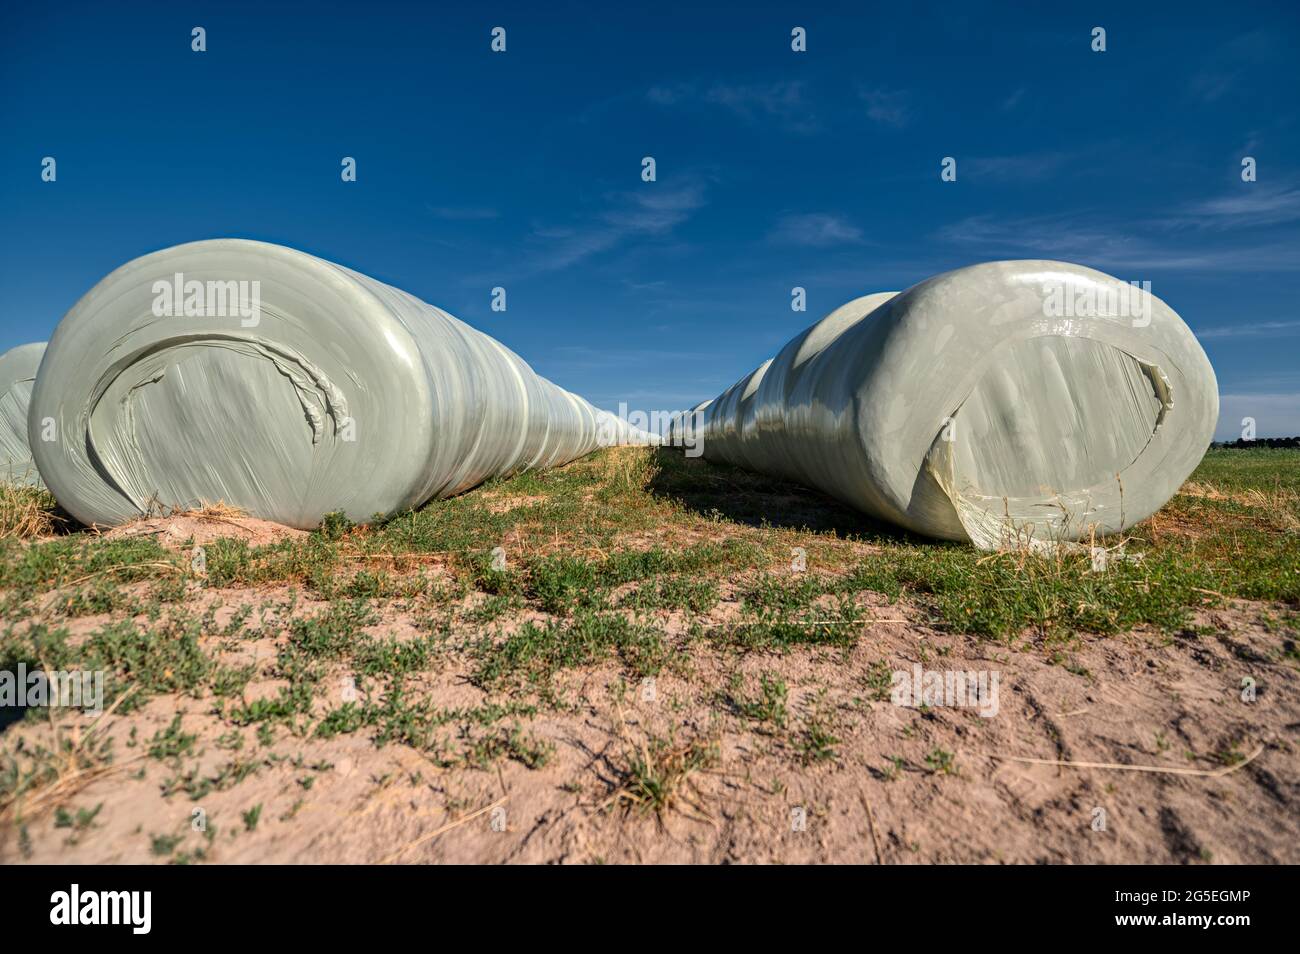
<point>1000,403</point>
<point>17,374</point>
<point>287,386</point>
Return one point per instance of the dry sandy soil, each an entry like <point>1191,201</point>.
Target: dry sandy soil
<point>199,528</point>
<point>899,784</point>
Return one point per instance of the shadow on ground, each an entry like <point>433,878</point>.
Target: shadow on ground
<point>757,500</point>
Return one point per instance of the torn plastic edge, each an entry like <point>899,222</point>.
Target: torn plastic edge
<point>987,530</point>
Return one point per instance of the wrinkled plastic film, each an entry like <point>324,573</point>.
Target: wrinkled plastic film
<point>335,392</point>
<point>17,376</point>
<point>975,407</point>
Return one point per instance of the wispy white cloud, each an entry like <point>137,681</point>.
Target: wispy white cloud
<point>655,208</point>
<point>1023,168</point>
<point>781,99</point>
<point>1251,329</point>
<point>1254,204</point>
<point>1114,244</point>
<point>1054,235</point>
<point>784,101</point>
<point>652,211</point>
<point>816,229</point>
<point>672,94</point>
<point>461,214</point>
<point>887,107</point>
<point>1222,71</point>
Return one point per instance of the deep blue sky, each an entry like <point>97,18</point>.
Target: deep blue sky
<point>775,169</point>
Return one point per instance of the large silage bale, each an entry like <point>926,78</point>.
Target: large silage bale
<point>1002,403</point>
<point>287,386</point>
<point>17,375</point>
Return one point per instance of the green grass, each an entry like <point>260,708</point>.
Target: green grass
<point>536,652</point>
<point>1264,469</point>
<point>658,772</point>
<point>675,592</point>
<point>80,822</point>
<point>768,706</point>
<point>171,742</point>
<point>630,558</point>
<point>1232,541</point>
<point>817,743</point>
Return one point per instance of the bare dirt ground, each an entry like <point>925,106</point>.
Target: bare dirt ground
<point>903,785</point>
<point>199,528</point>
<point>703,710</point>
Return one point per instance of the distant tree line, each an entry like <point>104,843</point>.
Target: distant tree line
<point>1276,442</point>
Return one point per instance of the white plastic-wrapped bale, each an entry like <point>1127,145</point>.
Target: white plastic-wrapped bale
<point>1003,403</point>
<point>17,375</point>
<point>287,386</point>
